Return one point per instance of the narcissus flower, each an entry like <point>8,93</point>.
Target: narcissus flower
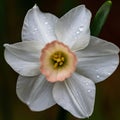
<point>59,62</point>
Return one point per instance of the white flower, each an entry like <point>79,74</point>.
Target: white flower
<point>59,62</point>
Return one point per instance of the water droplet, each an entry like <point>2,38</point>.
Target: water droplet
<point>46,23</point>
<point>28,103</point>
<point>98,76</point>
<point>109,73</point>
<point>86,82</point>
<point>89,90</point>
<point>77,32</point>
<point>35,29</point>
<point>81,28</point>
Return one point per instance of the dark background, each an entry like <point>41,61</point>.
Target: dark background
<point>12,12</point>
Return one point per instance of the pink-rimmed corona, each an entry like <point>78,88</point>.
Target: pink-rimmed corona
<point>57,61</point>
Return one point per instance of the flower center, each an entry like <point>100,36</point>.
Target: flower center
<point>57,61</point>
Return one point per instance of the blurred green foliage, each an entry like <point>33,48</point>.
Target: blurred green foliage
<point>100,18</point>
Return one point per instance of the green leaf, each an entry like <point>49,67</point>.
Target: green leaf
<point>100,18</point>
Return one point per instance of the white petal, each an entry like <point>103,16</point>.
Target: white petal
<point>76,95</point>
<point>73,28</point>
<point>36,92</point>
<point>98,60</point>
<point>39,26</point>
<point>24,57</point>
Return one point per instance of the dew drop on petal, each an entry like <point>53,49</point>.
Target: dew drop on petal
<point>46,23</point>
<point>77,32</point>
<point>109,73</point>
<point>89,90</point>
<point>28,103</point>
<point>81,28</point>
<point>98,76</point>
<point>34,30</point>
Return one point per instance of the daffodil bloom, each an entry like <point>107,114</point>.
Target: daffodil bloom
<point>59,62</point>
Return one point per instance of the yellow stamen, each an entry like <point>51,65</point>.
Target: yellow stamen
<point>60,63</point>
<point>55,56</point>
<point>58,59</point>
<point>55,65</point>
<point>62,59</point>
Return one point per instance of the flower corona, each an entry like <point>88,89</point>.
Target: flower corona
<point>57,61</point>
